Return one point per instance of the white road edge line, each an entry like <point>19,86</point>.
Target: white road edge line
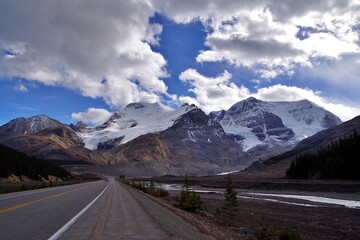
<point>69,223</point>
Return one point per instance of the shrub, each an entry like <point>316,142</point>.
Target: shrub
<point>265,232</point>
<point>149,189</point>
<point>231,204</point>
<point>287,233</point>
<point>188,200</point>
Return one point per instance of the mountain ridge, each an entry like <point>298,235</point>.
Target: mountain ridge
<point>184,138</point>
<point>258,122</point>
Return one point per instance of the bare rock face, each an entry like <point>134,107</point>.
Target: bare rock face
<point>194,142</point>
<point>30,125</point>
<point>150,138</point>
<point>79,126</point>
<point>109,144</point>
<point>47,139</point>
<point>273,123</point>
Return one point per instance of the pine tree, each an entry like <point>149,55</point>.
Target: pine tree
<point>188,200</point>
<point>152,186</point>
<point>338,160</point>
<point>231,205</point>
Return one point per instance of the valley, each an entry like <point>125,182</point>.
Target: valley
<point>150,139</point>
<point>180,120</point>
<point>255,142</point>
<point>317,212</point>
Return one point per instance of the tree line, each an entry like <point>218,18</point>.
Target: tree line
<point>18,163</point>
<point>338,160</point>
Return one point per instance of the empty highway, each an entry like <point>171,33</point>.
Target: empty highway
<point>96,210</point>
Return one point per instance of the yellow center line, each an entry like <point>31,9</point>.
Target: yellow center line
<point>35,201</point>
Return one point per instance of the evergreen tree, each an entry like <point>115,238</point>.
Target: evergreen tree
<point>188,200</point>
<point>339,160</point>
<point>152,186</point>
<point>231,204</point>
<point>18,163</point>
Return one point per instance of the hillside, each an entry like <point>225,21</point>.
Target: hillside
<point>153,139</point>
<point>257,123</point>
<point>277,165</point>
<point>20,164</point>
<point>338,160</point>
<point>49,139</point>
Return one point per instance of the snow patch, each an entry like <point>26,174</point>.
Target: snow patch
<point>135,120</point>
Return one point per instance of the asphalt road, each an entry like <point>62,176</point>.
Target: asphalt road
<point>117,212</point>
<point>39,214</point>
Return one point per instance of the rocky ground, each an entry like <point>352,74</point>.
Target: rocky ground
<point>324,221</point>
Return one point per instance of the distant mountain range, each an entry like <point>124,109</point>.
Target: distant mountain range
<point>255,122</point>
<point>150,138</point>
<point>277,165</point>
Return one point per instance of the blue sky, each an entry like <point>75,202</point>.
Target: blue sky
<point>83,60</point>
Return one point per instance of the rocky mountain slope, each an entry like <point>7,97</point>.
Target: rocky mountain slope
<point>258,123</point>
<point>135,120</point>
<point>277,166</point>
<point>334,133</point>
<point>152,138</point>
<point>48,139</point>
<point>30,125</point>
<point>193,143</point>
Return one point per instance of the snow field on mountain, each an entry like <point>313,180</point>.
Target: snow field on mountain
<point>135,120</point>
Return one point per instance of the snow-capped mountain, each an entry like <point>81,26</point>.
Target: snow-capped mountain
<point>78,126</point>
<point>135,120</point>
<point>48,139</point>
<point>193,144</point>
<point>254,122</point>
<point>30,125</point>
<point>150,138</point>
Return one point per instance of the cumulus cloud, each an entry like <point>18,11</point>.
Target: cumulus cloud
<point>212,93</point>
<point>92,115</point>
<point>104,50</point>
<point>291,93</point>
<point>273,38</point>
<point>343,74</point>
<point>264,34</point>
<point>99,49</point>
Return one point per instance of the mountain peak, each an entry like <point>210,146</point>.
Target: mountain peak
<point>28,125</point>
<point>259,122</point>
<point>252,99</point>
<point>78,126</point>
<point>248,103</point>
<point>146,105</point>
<point>134,120</point>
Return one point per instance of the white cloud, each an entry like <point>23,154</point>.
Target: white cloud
<point>76,44</point>
<point>20,88</point>
<point>342,74</point>
<point>262,34</point>
<point>92,115</point>
<point>103,50</point>
<point>212,93</point>
<point>291,93</point>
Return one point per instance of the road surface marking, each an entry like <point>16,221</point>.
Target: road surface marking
<point>35,201</point>
<point>40,191</point>
<point>69,223</point>
<point>100,225</point>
